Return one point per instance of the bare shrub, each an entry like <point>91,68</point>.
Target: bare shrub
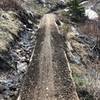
<point>93,78</point>
<point>90,27</point>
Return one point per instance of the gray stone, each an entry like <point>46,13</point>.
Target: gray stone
<point>2,88</point>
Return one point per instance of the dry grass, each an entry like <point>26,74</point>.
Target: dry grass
<point>15,5</point>
<point>10,5</point>
<point>87,80</point>
<point>94,79</point>
<point>90,27</point>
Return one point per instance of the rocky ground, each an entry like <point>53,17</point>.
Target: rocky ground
<point>17,41</point>
<point>17,59</point>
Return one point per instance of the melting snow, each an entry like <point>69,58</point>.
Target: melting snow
<point>91,14</point>
<point>63,1</point>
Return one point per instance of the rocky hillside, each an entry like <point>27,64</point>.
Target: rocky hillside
<point>66,60</point>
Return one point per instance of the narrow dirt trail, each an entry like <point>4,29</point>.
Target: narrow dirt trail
<point>45,85</point>
<point>48,77</point>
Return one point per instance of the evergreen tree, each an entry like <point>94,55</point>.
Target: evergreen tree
<point>76,11</point>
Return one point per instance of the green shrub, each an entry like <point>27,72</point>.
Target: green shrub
<point>76,11</point>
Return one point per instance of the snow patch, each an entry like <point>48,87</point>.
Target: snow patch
<point>66,10</point>
<point>91,14</point>
<point>74,30</point>
<point>84,3</point>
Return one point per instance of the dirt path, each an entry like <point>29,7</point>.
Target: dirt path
<point>48,77</point>
<point>45,85</point>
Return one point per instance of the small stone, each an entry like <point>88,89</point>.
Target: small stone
<point>22,67</point>
<point>47,88</point>
<point>12,88</point>
<point>18,50</point>
<point>2,88</point>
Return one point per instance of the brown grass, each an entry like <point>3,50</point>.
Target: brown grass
<point>90,27</point>
<point>15,5</point>
<point>10,5</point>
<point>94,79</point>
